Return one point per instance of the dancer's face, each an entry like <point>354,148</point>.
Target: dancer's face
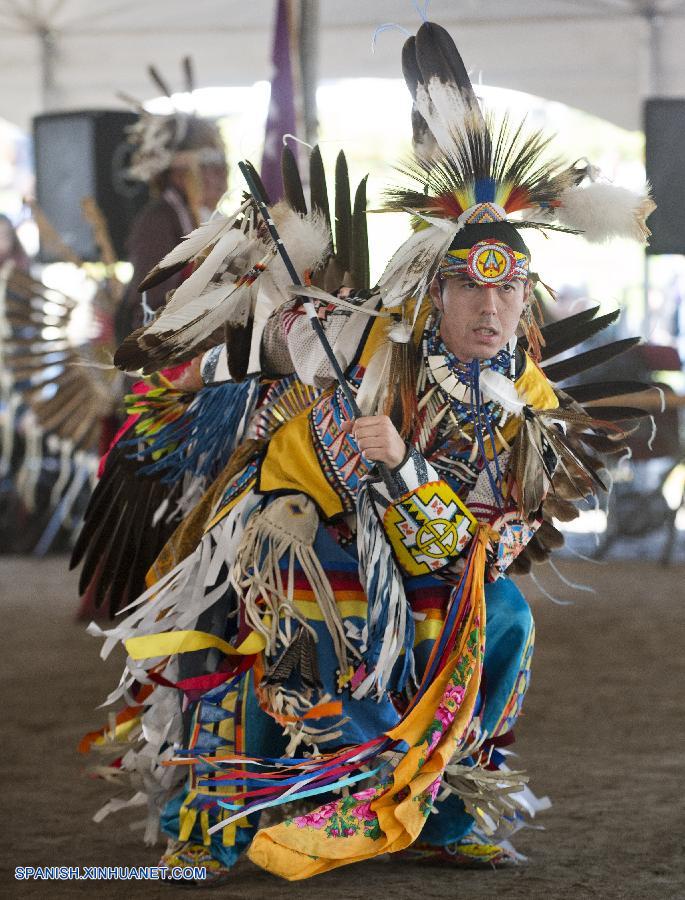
<point>478,320</point>
<point>214,184</point>
<point>207,184</point>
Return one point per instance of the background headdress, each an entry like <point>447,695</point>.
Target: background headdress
<point>178,138</point>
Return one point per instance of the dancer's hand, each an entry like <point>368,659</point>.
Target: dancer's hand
<point>378,439</point>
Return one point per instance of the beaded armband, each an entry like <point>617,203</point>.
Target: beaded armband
<point>428,527</point>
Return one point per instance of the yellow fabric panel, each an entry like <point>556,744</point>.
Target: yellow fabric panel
<point>381,326</point>
<point>536,390</point>
<point>293,444</point>
<point>535,387</point>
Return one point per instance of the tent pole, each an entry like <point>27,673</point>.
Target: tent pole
<point>48,60</point>
<point>309,59</point>
<point>654,84</point>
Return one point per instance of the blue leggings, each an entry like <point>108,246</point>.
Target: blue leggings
<point>509,635</point>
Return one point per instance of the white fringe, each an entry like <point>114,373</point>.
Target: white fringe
<point>375,558</point>
<point>495,798</point>
<point>286,527</point>
<point>161,730</point>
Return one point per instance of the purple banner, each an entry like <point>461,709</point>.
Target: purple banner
<point>281,118</point>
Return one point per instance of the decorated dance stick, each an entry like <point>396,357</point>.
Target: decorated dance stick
<point>310,309</point>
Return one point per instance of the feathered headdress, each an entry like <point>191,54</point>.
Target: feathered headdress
<point>478,180</point>
<point>179,138</point>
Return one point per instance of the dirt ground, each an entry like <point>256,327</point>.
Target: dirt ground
<point>602,734</point>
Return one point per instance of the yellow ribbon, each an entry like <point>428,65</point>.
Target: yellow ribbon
<point>169,642</point>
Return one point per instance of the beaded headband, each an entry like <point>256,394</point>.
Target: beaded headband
<point>487,262</point>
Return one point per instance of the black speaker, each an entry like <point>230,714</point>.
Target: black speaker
<point>665,163</point>
<point>86,154</point>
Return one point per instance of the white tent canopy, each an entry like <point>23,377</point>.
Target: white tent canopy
<point>603,56</point>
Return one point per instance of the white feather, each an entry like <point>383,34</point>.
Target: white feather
<point>374,383</point>
<point>232,243</point>
<point>199,306</point>
<point>178,313</point>
<point>443,107</point>
<point>413,266</point>
<point>605,211</point>
<point>307,240</point>
<point>497,387</point>
<point>201,237</point>
<point>198,318</point>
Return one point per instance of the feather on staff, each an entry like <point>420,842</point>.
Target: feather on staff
<point>221,292</point>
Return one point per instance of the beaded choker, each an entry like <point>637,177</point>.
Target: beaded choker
<point>452,375</point>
